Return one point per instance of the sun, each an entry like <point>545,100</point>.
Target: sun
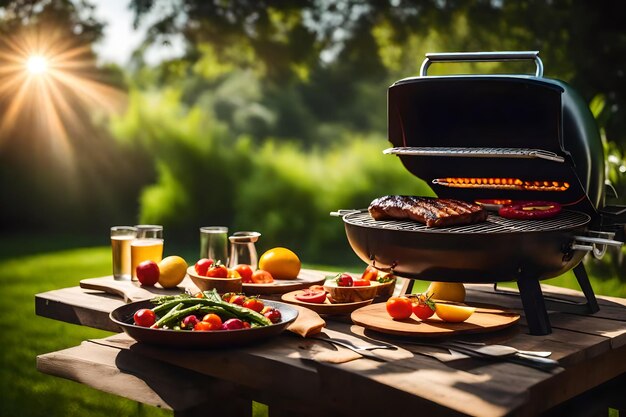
<point>37,64</point>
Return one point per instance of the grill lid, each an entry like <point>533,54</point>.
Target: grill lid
<point>497,126</point>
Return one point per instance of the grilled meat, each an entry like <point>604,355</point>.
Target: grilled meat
<point>433,212</point>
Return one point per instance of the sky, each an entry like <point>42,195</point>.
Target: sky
<point>121,39</point>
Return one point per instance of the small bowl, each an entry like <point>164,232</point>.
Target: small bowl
<point>222,285</point>
<point>385,290</point>
<point>351,294</point>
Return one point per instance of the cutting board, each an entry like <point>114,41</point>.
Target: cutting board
<point>305,279</point>
<point>133,291</point>
<point>485,319</point>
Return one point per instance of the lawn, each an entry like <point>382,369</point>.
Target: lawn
<point>29,266</point>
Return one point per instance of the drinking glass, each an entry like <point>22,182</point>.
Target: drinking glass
<point>214,243</point>
<point>121,236</point>
<point>148,246</point>
<point>242,249</point>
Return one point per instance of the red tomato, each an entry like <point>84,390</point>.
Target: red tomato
<point>273,315</point>
<point>214,320</point>
<point>423,308</point>
<point>202,266</point>
<point>361,283</point>
<point>311,296</point>
<point>148,273</point>
<point>399,307</point>
<point>344,280</point>
<point>203,326</point>
<point>246,325</point>
<point>228,295</point>
<point>245,271</point>
<point>254,304</point>
<point>144,317</point>
<point>370,274</point>
<point>262,277</point>
<point>238,299</point>
<point>199,295</point>
<point>217,271</point>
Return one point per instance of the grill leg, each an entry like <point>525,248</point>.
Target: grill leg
<point>534,306</point>
<point>585,286</point>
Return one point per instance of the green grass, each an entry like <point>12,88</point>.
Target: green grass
<point>29,266</point>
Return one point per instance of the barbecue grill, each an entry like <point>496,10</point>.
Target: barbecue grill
<point>517,137</point>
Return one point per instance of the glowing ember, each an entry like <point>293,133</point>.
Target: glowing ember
<point>502,184</point>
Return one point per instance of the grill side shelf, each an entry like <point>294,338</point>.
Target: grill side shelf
<point>475,152</point>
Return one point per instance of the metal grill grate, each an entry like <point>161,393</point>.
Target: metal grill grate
<point>495,224</point>
<point>476,152</point>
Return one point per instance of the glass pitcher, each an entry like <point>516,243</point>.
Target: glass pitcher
<point>242,249</point>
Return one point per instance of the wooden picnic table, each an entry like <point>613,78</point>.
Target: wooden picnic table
<point>293,376</point>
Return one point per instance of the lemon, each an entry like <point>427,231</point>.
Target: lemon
<point>453,313</point>
<point>447,291</point>
<point>281,263</point>
<point>173,270</point>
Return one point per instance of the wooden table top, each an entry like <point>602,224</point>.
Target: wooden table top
<point>290,372</point>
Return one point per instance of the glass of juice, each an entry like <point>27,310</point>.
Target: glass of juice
<point>121,237</point>
<point>147,246</point>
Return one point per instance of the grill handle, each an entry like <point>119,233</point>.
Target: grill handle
<point>598,245</point>
<point>482,57</point>
<point>341,213</point>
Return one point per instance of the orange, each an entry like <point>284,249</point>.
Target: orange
<point>447,291</point>
<point>281,263</point>
<point>453,313</point>
<point>173,270</point>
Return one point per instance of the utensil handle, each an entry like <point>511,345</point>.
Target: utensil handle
<point>341,213</point>
<point>482,57</point>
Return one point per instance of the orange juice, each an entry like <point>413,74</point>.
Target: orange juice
<point>145,250</point>
<point>120,248</point>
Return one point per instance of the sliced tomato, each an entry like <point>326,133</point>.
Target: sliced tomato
<point>370,274</point>
<point>530,210</point>
<point>262,277</point>
<point>311,296</point>
<point>361,283</point>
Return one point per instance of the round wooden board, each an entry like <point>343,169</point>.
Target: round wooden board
<point>305,279</point>
<point>375,317</point>
<point>327,308</point>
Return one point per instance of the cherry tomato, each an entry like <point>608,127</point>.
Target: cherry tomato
<point>361,283</point>
<point>344,280</point>
<point>262,277</point>
<point>423,307</point>
<point>214,320</point>
<point>238,299</point>
<point>144,317</point>
<point>399,308</point>
<point>254,304</point>
<point>217,270</point>
<point>228,295</point>
<point>203,265</point>
<point>245,271</point>
<point>370,274</point>
<point>202,326</point>
<point>246,325</point>
<point>312,296</point>
<point>273,315</point>
<point>199,295</point>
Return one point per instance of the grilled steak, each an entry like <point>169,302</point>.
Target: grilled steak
<point>433,212</point>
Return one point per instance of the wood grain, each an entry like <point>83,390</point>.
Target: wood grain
<point>375,317</point>
<point>132,290</point>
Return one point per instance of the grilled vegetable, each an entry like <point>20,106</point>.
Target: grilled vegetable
<point>530,210</point>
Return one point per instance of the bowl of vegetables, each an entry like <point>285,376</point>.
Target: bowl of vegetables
<point>218,277</point>
<point>345,289</point>
<point>203,321</point>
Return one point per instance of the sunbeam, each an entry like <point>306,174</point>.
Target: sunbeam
<point>48,86</point>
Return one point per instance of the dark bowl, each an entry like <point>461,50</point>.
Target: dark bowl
<point>123,317</point>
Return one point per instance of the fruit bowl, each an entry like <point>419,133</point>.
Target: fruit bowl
<point>222,285</point>
<point>351,294</point>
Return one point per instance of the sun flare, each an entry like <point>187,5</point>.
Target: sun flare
<point>37,64</point>
<point>49,88</point>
